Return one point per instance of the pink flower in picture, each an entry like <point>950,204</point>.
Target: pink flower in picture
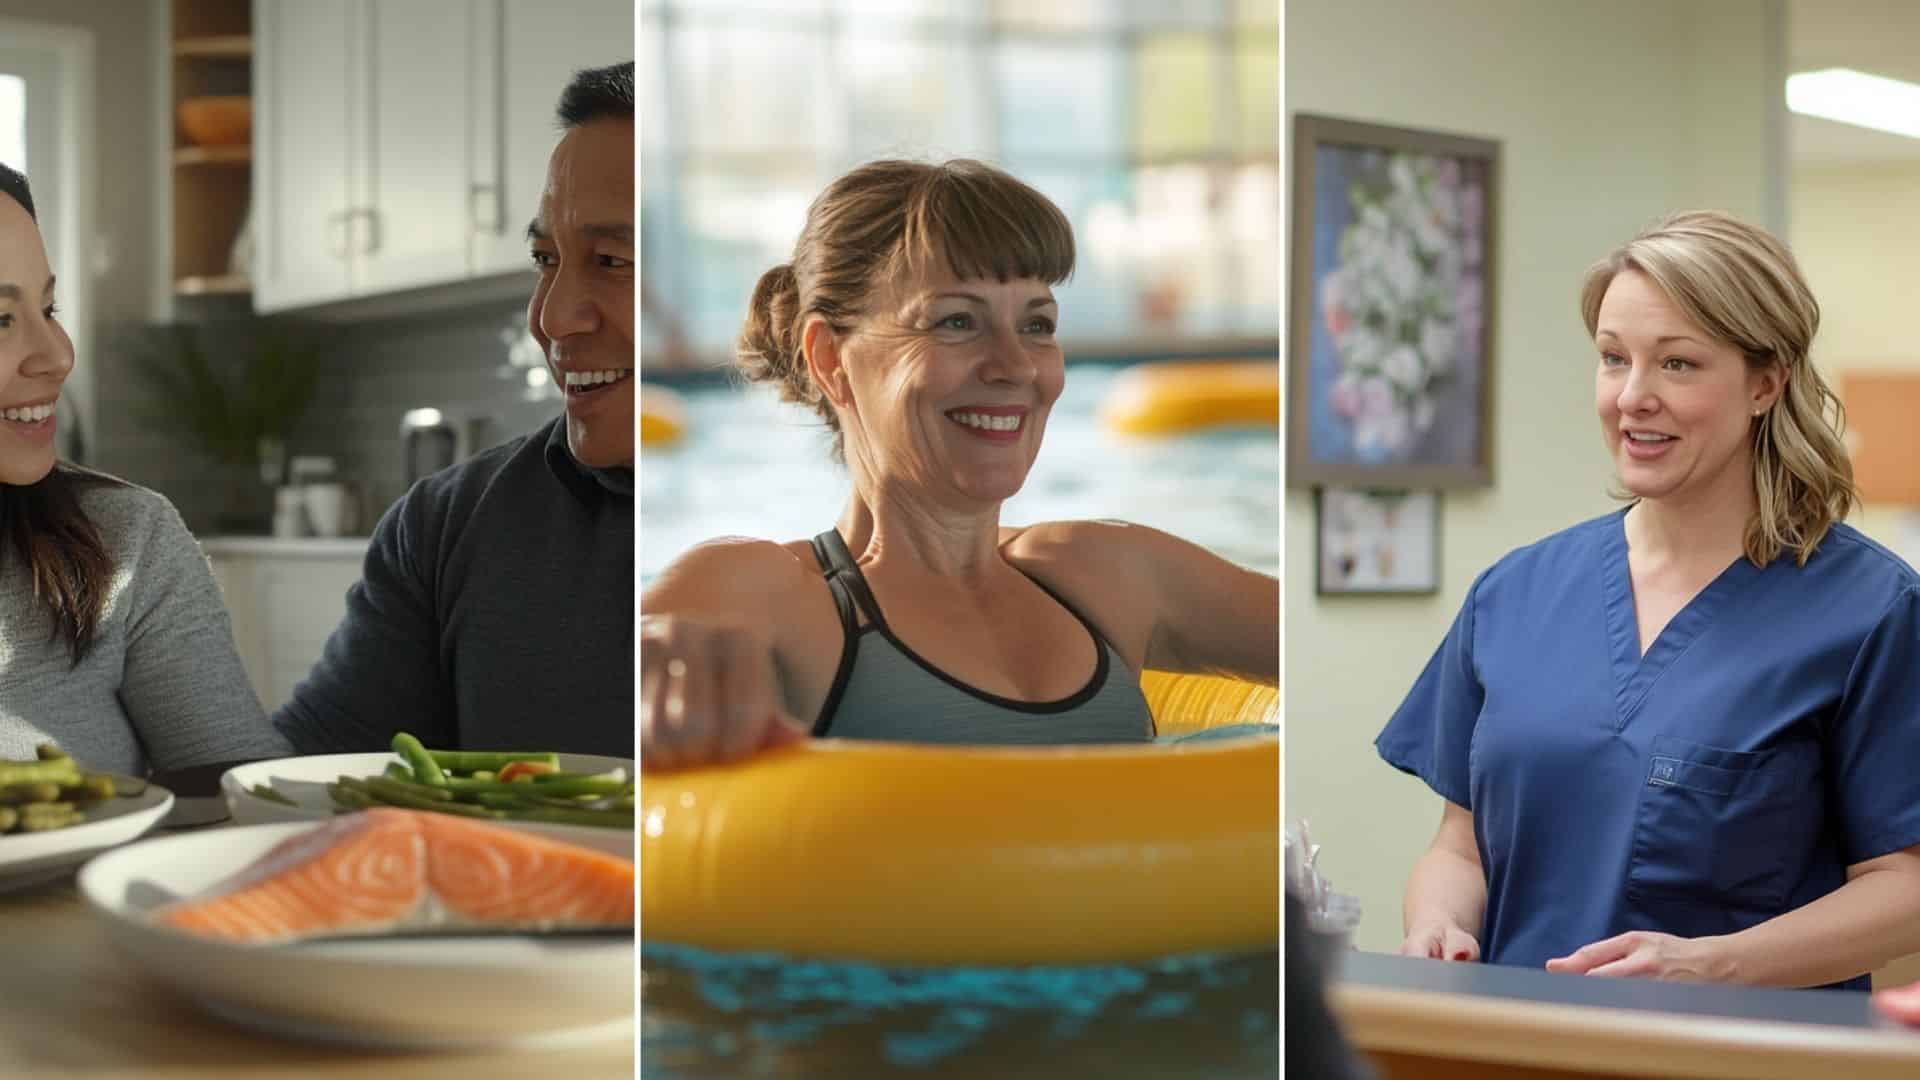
<point>1344,396</point>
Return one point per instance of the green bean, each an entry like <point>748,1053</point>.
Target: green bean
<point>397,771</point>
<point>543,779</point>
<point>9,817</point>
<point>37,791</point>
<point>589,785</point>
<point>60,771</point>
<point>47,751</point>
<point>425,769</point>
<point>385,787</point>
<point>43,817</point>
<point>92,787</point>
<point>479,774</point>
<point>350,798</point>
<point>396,794</point>
<point>262,791</point>
<point>469,761</point>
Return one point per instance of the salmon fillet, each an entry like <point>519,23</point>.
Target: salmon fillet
<point>385,869</point>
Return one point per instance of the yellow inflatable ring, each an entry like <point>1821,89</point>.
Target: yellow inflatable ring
<point>1171,398</point>
<point>909,855</point>
<point>663,416</point>
<point>1182,704</point>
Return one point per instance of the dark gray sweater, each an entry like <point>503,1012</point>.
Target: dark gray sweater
<point>495,612</point>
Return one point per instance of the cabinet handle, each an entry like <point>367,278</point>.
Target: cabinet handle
<point>337,232</point>
<point>483,208</point>
<point>372,218</point>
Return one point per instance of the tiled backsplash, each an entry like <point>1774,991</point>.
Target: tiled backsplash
<point>371,373</point>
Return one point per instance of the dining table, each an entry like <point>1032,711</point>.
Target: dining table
<point>71,1006</point>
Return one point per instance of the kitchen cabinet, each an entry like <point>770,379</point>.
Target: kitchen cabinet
<point>285,597</point>
<point>403,143</point>
<point>304,92</point>
<point>536,47</point>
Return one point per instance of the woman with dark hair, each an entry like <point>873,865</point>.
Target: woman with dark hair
<point>917,319</point>
<point>114,641</point>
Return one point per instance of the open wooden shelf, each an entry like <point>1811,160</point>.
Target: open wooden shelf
<point>211,44</point>
<point>215,47</point>
<point>213,155</point>
<point>212,285</point>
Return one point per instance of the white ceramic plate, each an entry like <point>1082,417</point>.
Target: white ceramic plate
<point>442,992</point>
<point>30,858</point>
<point>304,780</point>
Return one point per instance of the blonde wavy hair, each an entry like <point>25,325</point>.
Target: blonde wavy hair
<point>1740,284</point>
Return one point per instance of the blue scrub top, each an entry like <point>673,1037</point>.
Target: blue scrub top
<point>1769,738</point>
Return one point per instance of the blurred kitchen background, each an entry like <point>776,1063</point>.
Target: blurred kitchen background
<point>1801,115</point>
<point>1154,126</point>
<point>283,228</point>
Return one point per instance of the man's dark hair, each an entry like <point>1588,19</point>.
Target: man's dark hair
<point>14,185</point>
<point>598,94</point>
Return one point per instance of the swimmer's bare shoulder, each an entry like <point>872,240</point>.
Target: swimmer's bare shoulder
<point>737,576</point>
<point>1100,567</point>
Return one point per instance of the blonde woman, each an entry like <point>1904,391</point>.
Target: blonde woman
<point>1678,741</point>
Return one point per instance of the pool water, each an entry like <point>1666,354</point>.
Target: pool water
<point>710,1015</point>
<point>752,466</point>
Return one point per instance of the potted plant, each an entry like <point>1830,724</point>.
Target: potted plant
<point>239,421</point>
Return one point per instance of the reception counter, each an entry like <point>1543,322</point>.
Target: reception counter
<point>1441,1021</point>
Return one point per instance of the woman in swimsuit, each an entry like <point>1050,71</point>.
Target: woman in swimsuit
<point>917,318</point>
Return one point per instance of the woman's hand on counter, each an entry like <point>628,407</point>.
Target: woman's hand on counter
<point>1646,954</point>
<point>1440,941</point>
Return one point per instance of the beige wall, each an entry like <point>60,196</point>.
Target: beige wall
<point>1609,115</point>
<point>1856,230</point>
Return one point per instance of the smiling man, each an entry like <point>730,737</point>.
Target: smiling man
<point>495,610</point>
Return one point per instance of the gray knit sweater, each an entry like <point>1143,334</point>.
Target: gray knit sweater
<point>162,686</point>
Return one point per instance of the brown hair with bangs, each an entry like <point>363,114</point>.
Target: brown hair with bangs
<point>888,221</point>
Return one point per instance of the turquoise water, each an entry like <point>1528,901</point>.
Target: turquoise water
<point>755,467</point>
<point>758,1015</point>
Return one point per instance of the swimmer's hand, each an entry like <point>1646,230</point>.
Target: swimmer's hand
<point>708,694</point>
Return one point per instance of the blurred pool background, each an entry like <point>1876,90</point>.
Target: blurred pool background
<point>753,466</point>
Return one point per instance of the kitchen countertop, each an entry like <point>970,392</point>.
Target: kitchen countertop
<point>310,547</point>
<point>1431,1018</point>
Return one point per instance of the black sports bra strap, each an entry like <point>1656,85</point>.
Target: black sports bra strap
<point>837,585</point>
<point>846,571</point>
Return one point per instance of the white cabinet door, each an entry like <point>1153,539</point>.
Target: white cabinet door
<point>541,44</point>
<point>304,150</point>
<point>411,229</point>
<point>304,600</point>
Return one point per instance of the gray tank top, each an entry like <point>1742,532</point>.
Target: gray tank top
<point>885,690</point>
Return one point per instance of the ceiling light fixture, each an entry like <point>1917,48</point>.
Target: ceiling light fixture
<point>1855,97</point>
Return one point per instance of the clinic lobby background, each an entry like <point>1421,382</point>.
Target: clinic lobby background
<point>1608,116</point>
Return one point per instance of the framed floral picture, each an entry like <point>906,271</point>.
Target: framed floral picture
<point>1377,541</point>
<point>1390,352</point>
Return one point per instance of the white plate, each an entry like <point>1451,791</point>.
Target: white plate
<point>305,780</point>
<point>29,858</point>
<point>412,993</point>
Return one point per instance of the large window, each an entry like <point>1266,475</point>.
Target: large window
<point>1154,125</point>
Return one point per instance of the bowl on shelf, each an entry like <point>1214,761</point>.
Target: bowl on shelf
<point>217,121</point>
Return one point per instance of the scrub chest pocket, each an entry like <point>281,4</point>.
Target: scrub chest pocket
<point>1723,827</point>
